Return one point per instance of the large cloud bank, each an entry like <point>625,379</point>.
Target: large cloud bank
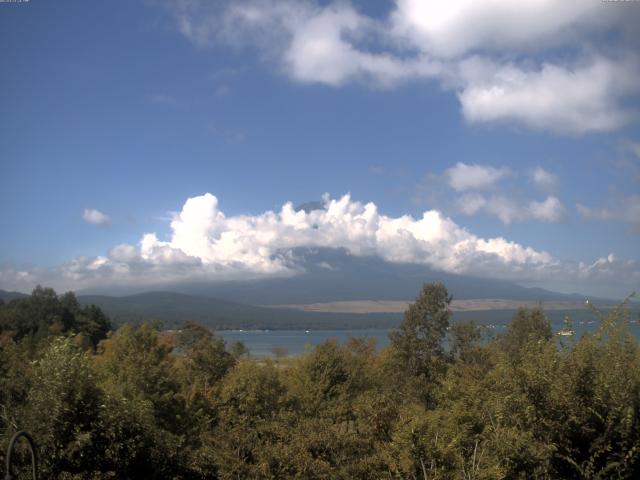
<point>206,244</point>
<point>202,231</point>
<point>566,66</point>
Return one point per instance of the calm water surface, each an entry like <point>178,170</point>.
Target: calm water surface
<point>261,343</point>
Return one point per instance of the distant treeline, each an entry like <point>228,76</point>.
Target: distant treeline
<point>140,402</point>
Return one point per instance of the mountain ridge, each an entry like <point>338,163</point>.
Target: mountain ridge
<point>330,275</point>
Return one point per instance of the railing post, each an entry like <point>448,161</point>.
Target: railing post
<point>34,458</point>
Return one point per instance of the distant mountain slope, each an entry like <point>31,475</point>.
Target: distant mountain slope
<point>173,309</point>
<point>8,296</point>
<point>332,275</point>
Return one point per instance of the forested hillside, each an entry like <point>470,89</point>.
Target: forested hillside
<point>145,403</point>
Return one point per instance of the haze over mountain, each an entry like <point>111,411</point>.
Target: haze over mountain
<point>174,309</point>
<point>329,275</point>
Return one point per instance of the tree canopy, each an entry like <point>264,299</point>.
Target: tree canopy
<point>441,401</point>
<point>45,313</point>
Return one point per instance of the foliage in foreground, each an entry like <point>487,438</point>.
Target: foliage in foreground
<point>143,403</point>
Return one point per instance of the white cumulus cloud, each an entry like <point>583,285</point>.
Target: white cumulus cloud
<point>451,28</point>
<point>553,97</point>
<point>96,217</point>
<point>548,210</point>
<point>206,244</point>
<point>468,46</point>
<point>202,231</point>
<point>466,177</point>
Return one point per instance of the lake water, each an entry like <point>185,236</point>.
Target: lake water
<point>261,343</point>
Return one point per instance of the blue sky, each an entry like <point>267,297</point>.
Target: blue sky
<point>132,108</point>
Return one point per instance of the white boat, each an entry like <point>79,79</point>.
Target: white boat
<point>566,332</point>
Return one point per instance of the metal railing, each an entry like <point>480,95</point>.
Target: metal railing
<point>34,457</point>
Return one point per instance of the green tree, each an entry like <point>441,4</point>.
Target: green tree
<point>145,408</point>
<point>63,410</point>
<point>466,344</point>
<point>418,343</point>
<point>93,324</point>
<point>201,364</point>
<point>527,325</point>
<point>251,402</point>
<point>44,313</point>
<point>205,359</point>
<point>238,350</point>
<point>16,373</point>
<point>342,411</point>
<point>36,316</point>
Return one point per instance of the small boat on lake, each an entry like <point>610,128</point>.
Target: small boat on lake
<point>566,332</point>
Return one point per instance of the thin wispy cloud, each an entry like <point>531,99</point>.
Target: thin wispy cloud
<point>226,73</point>
<point>228,135</point>
<point>627,162</point>
<point>223,90</point>
<point>625,209</point>
<point>165,100</point>
<point>543,180</point>
<point>479,189</point>
<point>508,211</point>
